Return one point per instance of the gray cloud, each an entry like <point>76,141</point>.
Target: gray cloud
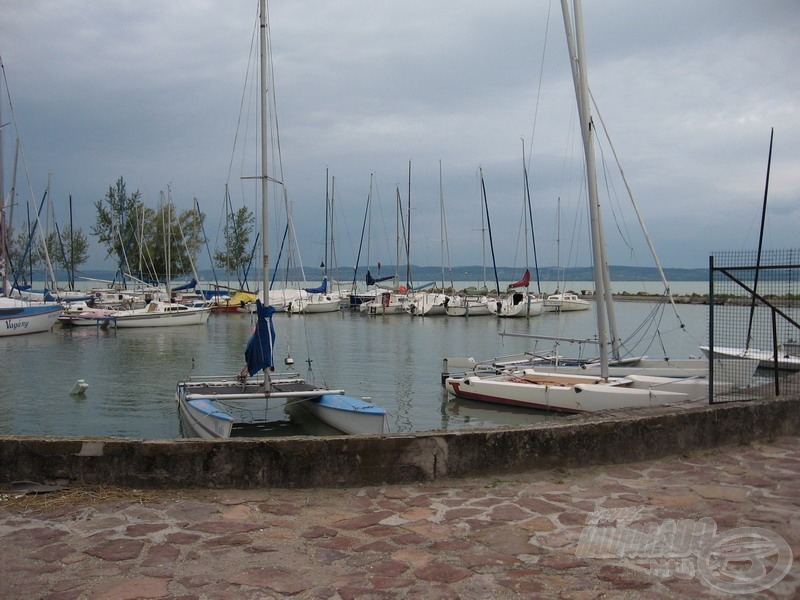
<point>152,91</point>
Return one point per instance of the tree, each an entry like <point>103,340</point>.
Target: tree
<point>116,222</point>
<point>68,250</point>
<point>20,261</point>
<point>144,240</point>
<point>237,242</point>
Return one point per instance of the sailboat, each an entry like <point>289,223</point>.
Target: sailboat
<point>215,407</point>
<point>392,300</point>
<point>163,312</point>
<point>18,316</point>
<point>320,299</point>
<point>563,301</point>
<point>518,303</point>
<point>783,357</point>
<point>571,392</point>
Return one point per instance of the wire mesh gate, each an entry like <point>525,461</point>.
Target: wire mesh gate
<point>754,309</point>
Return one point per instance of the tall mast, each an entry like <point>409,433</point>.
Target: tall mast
<point>580,79</point>
<point>3,255</point>
<point>264,180</point>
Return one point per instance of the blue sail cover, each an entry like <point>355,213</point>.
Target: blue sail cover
<point>319,290</point>
<point>372,281</point>
<point>258,352</point>
<point>186,286</point>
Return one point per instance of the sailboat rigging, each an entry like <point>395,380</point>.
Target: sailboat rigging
<point>213,407</point>
<point>571,392</point>
<point>17,316</point>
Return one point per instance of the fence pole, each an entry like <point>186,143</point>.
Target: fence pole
<point>711,329</point>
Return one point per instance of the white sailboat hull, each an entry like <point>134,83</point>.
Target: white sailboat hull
<point>316,303</point>
<point>765,358</point>
<point>19,317</point>
<point>161,314</point>
<point>566,303</point>
<point>517,305</point>
<point>424,304</point>
<point>572,393</point>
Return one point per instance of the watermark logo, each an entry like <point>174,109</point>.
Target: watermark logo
<point>744,560</point>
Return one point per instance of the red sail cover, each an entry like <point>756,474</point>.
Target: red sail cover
<point>524,282</point>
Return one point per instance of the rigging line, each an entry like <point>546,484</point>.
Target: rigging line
<point>539,85</point>
<point>638,215</point>
<point>244,96</point>
<point>618,222</point>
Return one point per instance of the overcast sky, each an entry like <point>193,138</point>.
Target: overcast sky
<point>153,91</point>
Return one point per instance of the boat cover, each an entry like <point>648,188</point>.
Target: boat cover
<point>258,352</point>
<point>186,286</point>
<point>319,290</point>
<point>372,281</point>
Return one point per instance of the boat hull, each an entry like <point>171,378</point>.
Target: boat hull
<point>205,419</point>
<point>517,305</point>
<point>571,394</point>
<point>566,303</point>
<point>145,317</point>
<point>347,414</point>
<point>216,408</point>
<point>766,360</point>
<point>21,318</point>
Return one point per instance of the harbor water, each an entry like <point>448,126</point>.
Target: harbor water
<point>395,361</point>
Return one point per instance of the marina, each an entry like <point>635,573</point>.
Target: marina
<point>393,361</point>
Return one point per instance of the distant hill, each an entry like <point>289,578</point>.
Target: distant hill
<point>473,273</point>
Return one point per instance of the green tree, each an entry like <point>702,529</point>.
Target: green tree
<point>21,263</point>
<point>174,237</point>
<point>116,225</point>
<point>144,240</point>
<point>68,247</point>
<point>237,233</point>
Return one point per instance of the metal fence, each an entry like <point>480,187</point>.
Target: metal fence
<point>753,333</point>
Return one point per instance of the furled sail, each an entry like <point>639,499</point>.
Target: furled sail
<point>258,352</point>
<point>524,282</point>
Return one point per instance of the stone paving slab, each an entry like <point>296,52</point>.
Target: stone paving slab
<point>657,529</point>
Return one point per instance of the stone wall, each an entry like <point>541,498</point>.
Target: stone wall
<point>373,460</point>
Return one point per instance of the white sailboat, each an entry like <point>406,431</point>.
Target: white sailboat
<point>566,302</point>
<point>569,392</point>
<point>215,407</point>
<point>18,316</point>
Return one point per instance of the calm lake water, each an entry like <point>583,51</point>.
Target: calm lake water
<point>395,361</point>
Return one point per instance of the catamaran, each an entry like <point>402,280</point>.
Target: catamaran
<point>218,407</point>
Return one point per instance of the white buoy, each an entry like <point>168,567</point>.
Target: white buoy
<point>79,388</point>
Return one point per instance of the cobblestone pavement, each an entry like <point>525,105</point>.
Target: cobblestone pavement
<point>552,534</point>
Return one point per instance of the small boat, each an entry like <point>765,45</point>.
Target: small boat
<point>82,313</point>
<point>425,304</point>
<point>386,303</point>
<point>566,302</point>
<point>788,356</point>
<point>162,314</point>
<point>467,306</point>
<point>315,300</point>
<point>517,304</point>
